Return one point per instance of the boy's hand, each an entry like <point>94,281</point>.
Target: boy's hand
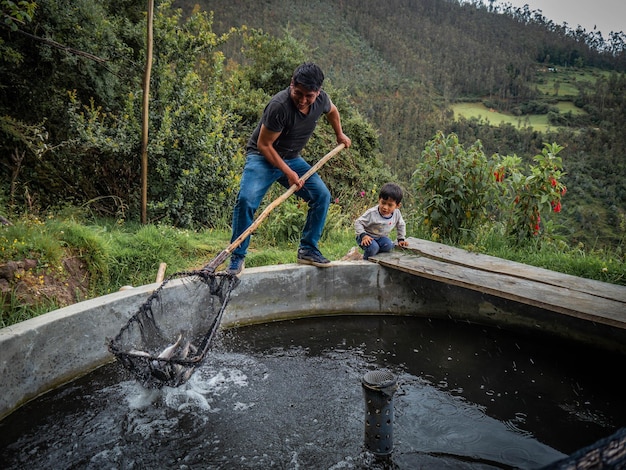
<point>366,240</point>
<point>403,243</point>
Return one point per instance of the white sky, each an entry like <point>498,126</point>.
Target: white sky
<point>607,15</point>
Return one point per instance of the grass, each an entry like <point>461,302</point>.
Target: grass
<point>568,107</point>
<point>566,81</point>
<point>561,85</point>
<point>116,255</point>
<point>480,111</point>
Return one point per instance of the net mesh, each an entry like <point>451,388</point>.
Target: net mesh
<point>605,454</point>
<point>169,336</point>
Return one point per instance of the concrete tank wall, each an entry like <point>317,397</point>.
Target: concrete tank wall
<point>45,352</point>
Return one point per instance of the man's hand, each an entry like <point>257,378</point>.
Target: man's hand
<point>293,178</point>
<point>344,139</point>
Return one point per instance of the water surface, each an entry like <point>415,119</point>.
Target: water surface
<point>288,395</point>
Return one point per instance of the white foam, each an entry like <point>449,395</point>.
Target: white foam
<point>243,406</point>
<point>139,397</point>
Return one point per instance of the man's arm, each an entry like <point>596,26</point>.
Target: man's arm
<point>265,144</point>
<point>334,119</point>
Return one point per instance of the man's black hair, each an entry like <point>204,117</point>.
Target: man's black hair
<point>391,191</point>
<point>309,75</point>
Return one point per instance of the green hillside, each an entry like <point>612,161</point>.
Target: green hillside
<point>71,75</point>
<point>484,98</point>
<point>413,68</point>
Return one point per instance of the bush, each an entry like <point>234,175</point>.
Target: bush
<point>525,198</point>
<point>460,190</point>
<point>455,187</point>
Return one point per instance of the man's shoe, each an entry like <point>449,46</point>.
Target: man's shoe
<point>312,257</point>
<point>236,265</point>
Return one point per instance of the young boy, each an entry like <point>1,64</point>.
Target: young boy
<point>375,225</point>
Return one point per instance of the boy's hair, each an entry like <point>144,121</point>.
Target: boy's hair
<point>309,75</point>
<point>391,191</point>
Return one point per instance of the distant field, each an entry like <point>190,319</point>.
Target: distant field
<point>568,106</point>
<point>479,111</point>
<point>561,83</point>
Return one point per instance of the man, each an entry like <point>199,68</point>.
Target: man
<point>273,154</point>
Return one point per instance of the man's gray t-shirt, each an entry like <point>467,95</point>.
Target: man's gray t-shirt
<point>282,115</point>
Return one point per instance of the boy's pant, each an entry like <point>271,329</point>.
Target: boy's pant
<point>378,245</point>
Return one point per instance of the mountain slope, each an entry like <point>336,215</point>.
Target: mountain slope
<point>405,62</point>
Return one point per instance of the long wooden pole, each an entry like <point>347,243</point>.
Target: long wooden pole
<point>145,117</point>
<point>221,257</point>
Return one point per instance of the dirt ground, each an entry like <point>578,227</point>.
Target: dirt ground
<point>23,283</point>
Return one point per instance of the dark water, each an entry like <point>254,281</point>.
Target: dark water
<point>288,395</point>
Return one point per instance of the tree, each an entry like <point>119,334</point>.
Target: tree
<point>192,145</point>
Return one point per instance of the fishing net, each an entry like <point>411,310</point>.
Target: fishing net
<point>168,337</point>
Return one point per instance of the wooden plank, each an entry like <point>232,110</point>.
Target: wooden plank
<point>550,297</point>
<point>489,263</point>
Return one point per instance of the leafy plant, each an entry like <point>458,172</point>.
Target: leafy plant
<point>461,190</point>
<point>526,198</point>
<point>454,186</point>
<point>192,149</point>
<point>285,223</point>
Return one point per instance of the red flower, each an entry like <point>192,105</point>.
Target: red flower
<point>552,181</point>
<point>556,206</point>
<point>536,219</point>
<point>499,175</point>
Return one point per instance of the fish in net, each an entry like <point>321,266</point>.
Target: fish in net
<point>184,319</point>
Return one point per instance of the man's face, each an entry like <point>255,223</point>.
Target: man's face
<point>302,97</point>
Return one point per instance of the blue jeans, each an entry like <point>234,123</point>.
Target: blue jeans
<point>258,175</point>
<point>378,245</point>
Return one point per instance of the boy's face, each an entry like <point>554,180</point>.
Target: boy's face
<point>387,206</point>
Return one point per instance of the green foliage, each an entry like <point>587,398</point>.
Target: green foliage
<point>14,310</point>
<point>132,252</point>
<point>525,198</point>
<point>460,191</point>
<point>85,243</point>
<point>279,57</point>
<point>401,82</point>
<point>556,255</point>
<point>404,64</point>
<point>14,14</point>
<point>49,241</point>
<point>69,45</point>
<point>30,238</point>
<point>455,187</point>
<point>192,149</point>
<point>284,225</point>
<point>20,142</point>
